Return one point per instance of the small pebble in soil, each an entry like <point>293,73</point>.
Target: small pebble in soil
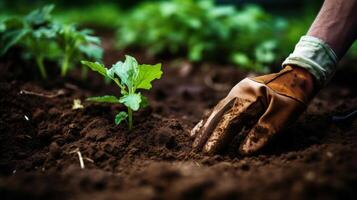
<point>329,154</point>
<point>310,176</point>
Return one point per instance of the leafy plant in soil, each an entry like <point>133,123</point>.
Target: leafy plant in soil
<point>129,76</point>
<point>76,45</point>
<point>33,33</point>
<point>41,39</point>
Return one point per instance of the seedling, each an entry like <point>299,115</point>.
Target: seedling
<point>41,38</point>
<point>76,45</point>
<point>130,77</point>
<point>33,33</point>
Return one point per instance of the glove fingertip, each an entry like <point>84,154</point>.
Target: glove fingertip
<point>256,139</point>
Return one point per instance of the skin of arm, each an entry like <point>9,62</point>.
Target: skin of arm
<point>336,24</point>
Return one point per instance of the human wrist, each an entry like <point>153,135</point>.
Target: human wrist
<point>314,55</point>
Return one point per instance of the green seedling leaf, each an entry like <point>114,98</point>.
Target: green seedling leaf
<point>120,117</point>
<point>96,67</point>
<point>92,51</point>
<point>12,31</point>
<point>2,26</point>
<point>104,99</point>
<point>131,101</point>
<point>76,45</point>
<point>127,71</point>
<point>144,102</point>
<point>241,59</point>
<point>147,73</point>
<point>11,38</point>
<point>40,16</point>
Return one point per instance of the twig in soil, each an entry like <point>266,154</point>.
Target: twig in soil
<point>198,164</point>
<point>28,136</point>
<point>71,86</point>
<point>80,158</point>
<point>88,159</point>
<point>216,86</point>
<point>196,129</point>
<point>58,93</point>
<point>344,118</point>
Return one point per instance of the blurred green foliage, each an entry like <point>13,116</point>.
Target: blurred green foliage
<point>41,38</point>
<point>100,16</point>
<point>201,30</point>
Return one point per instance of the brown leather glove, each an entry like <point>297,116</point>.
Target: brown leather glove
<point>257,108</point>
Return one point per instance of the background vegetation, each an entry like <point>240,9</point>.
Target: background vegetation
<point>252,35</point>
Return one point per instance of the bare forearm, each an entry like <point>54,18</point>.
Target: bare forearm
<point>336,24</point>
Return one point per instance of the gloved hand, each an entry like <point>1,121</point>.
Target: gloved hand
<point>256,107</point>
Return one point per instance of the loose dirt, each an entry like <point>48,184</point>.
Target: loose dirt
<point>41,136</point>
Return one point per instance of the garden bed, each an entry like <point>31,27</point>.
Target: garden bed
<point>41,136</point>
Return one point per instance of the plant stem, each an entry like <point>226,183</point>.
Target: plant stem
<point>41,67</point>
<point>84,73</point>
<point>65,65</point>
<point>130,115</point>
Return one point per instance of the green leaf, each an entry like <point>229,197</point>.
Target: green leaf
<point>40,16</point>
<point>131,100</point>
<point>127,71</point>
<point>111,73</point>
<point>144,102</point>
<point>11,38</point>
<point>265,51</point>
<point>104,99</point>
<point>147,73</point>
<point>13,31</point>
<point>96,66</point>
<point>2,26</point>
<point>92,51</point>
<point>241,59</point>
<point>44,32</point>
<point>120,117</point>
<point>196,51</point>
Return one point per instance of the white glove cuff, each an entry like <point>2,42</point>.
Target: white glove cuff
<point>316,56</point>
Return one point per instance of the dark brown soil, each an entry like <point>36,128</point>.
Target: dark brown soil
<point>41,136</point>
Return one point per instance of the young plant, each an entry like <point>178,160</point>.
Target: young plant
<point>76,45</point>
<point>130,77</point>
<point>33,33</point>
<point>41,38</point>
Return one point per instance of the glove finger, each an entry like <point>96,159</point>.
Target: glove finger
<point>280,113</point>
<point>243,113</point>
<point>257,138</point>
<point>203,132</point>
